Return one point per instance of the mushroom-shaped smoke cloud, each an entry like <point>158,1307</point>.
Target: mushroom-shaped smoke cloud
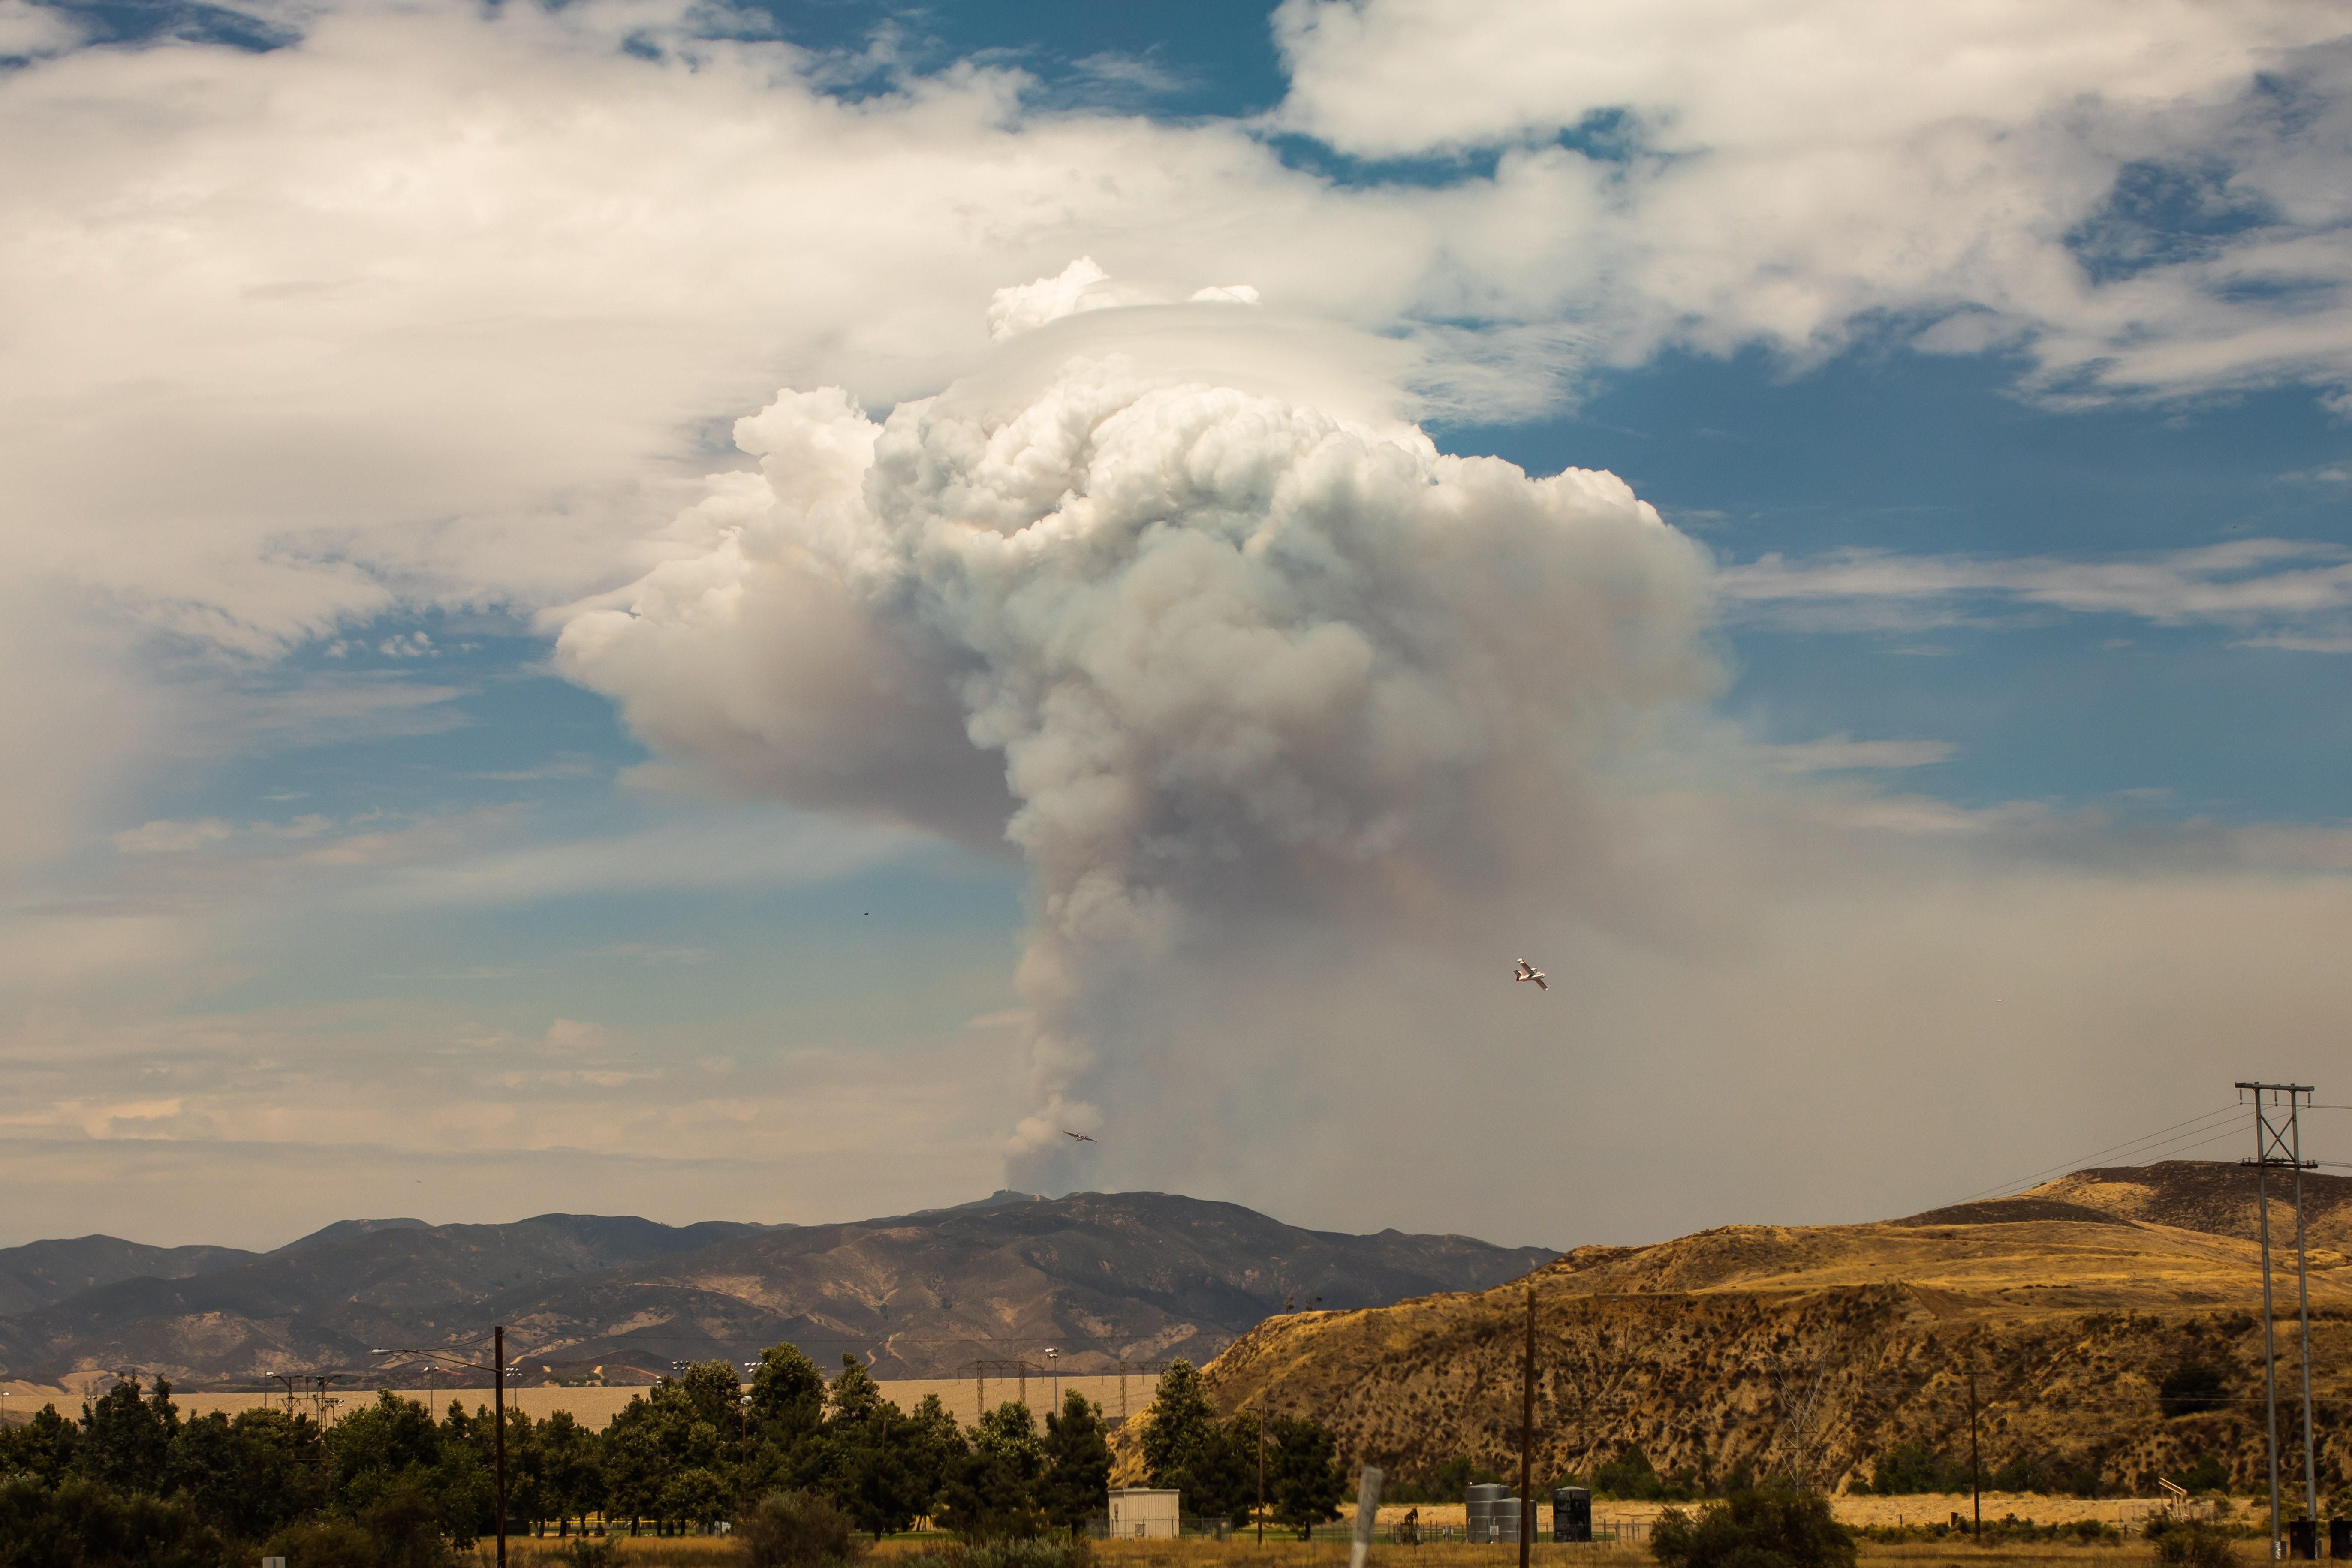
<point>1167,597</point>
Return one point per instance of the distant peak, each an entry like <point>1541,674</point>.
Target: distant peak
<point>343,1229</point>
<point>1002,1196</point>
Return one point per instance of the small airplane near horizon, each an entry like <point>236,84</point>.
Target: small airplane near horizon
<point>1079,1136</point>
<point>1526,971</point>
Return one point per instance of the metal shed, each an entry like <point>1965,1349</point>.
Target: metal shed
<point>1144,1513</point>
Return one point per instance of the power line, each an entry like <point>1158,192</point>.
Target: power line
<point>2081,1161</point>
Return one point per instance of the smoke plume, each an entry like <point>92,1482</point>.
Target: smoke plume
<point>1171,600</point>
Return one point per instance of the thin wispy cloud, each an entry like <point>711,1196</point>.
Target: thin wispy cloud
<point>2273,592</point>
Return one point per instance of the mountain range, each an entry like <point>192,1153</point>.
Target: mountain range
<point>1104,1277</point>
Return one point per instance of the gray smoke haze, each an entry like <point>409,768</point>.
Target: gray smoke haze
<point>1258,681</point>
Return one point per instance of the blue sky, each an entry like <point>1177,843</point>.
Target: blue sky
<point>364,353</point>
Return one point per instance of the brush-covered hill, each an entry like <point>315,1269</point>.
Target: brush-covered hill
<point>42,1272</point>
<point>1816,1349</point>
<point>1100,1277</point>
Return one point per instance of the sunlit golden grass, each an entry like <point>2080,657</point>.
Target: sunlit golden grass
<point>697,1551</point>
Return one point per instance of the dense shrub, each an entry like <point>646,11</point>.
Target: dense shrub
<point>1448,1482</point>
<point>322,1544</point>
<point>796,1529</point>
<point>589,1552</point>
<point>2191,1388</point>
<point>1912,1467</point>
<point>2206,1475</point>
<point>1774,1529</point>
<point>82,1524</point>
<point>2194,1545</point>
<point>1632,1476</point>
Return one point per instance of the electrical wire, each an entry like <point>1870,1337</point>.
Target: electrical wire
<point>2129,1144</point>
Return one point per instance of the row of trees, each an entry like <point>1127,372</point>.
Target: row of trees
<point>696,1448</point>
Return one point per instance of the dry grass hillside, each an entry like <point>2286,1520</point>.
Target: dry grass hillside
<point>1816,1349</point>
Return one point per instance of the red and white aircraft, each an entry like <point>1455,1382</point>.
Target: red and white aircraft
<point>1526,971</point>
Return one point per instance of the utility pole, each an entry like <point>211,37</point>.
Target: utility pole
<point>2302,1309</point>
<point>1261,1468</point>
<point>1528,1436</point>
<point>497,1371</point>
<point>1976,1466</point>
<point>499,1397</point>
<point>2280,1143</point>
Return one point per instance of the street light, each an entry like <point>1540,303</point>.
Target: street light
<point>1053,1358</point>
<point>497,1371</point>
<point>743,1430</point>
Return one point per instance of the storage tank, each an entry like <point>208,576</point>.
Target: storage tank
<point>1478,1511</point>
<point>1571,1514</point>
<point>1505,1526</point>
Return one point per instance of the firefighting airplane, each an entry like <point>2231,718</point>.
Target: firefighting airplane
<point>1079,1136</point>
<point>1528,972</point>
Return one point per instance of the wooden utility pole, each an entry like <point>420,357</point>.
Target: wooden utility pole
<point>1528,1436</point>
<point>1261,1470</point>
<point>1976,1469</point>
<point>499,1395</point>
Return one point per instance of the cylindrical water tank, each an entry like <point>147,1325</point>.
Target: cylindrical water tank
<point>1505,1527</point>
<point>1478,1511</point>
<point>1571,1514</point>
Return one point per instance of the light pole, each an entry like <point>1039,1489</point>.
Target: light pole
<point>1053,1366</point>
<point>497,1371</point>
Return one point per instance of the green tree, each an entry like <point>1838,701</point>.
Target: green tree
<point>788,1448</point>
<point>126,1440</point>
<point>1304,1481</point>
<point>1775,1528</point>
<point>696,1494</point>
<point>381,1448</point>
<point>1076,1452</point>
<point>787,1393</point>
<point>529,1498</point>
<point>934,1443</point>
<point>464,1477</point>
<point>713,1387</point>
<point>632,1465</point>
<point>574,1467</point>
<point>404,1526</point>
<point>1181,1421</point>
<point>1186,1448</point>
<point>990,1491</point>
<point>872,1469</point>
<point>43,1447</point>
<point>854,1396</point>
<point>253,1475</point>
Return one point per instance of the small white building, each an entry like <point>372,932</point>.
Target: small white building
<point>1143,1513</point>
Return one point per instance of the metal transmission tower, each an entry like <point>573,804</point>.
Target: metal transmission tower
<point>2278,1142</point>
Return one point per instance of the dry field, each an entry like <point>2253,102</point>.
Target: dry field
<point>595,1407</point>
<point>1925,1508</point>
<point>720,1553</point>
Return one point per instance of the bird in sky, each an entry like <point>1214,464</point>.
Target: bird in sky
<point>1079,1136</point>
<point>1526,971</point>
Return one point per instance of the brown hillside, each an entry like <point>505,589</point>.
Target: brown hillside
<point>1815,1349</point>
